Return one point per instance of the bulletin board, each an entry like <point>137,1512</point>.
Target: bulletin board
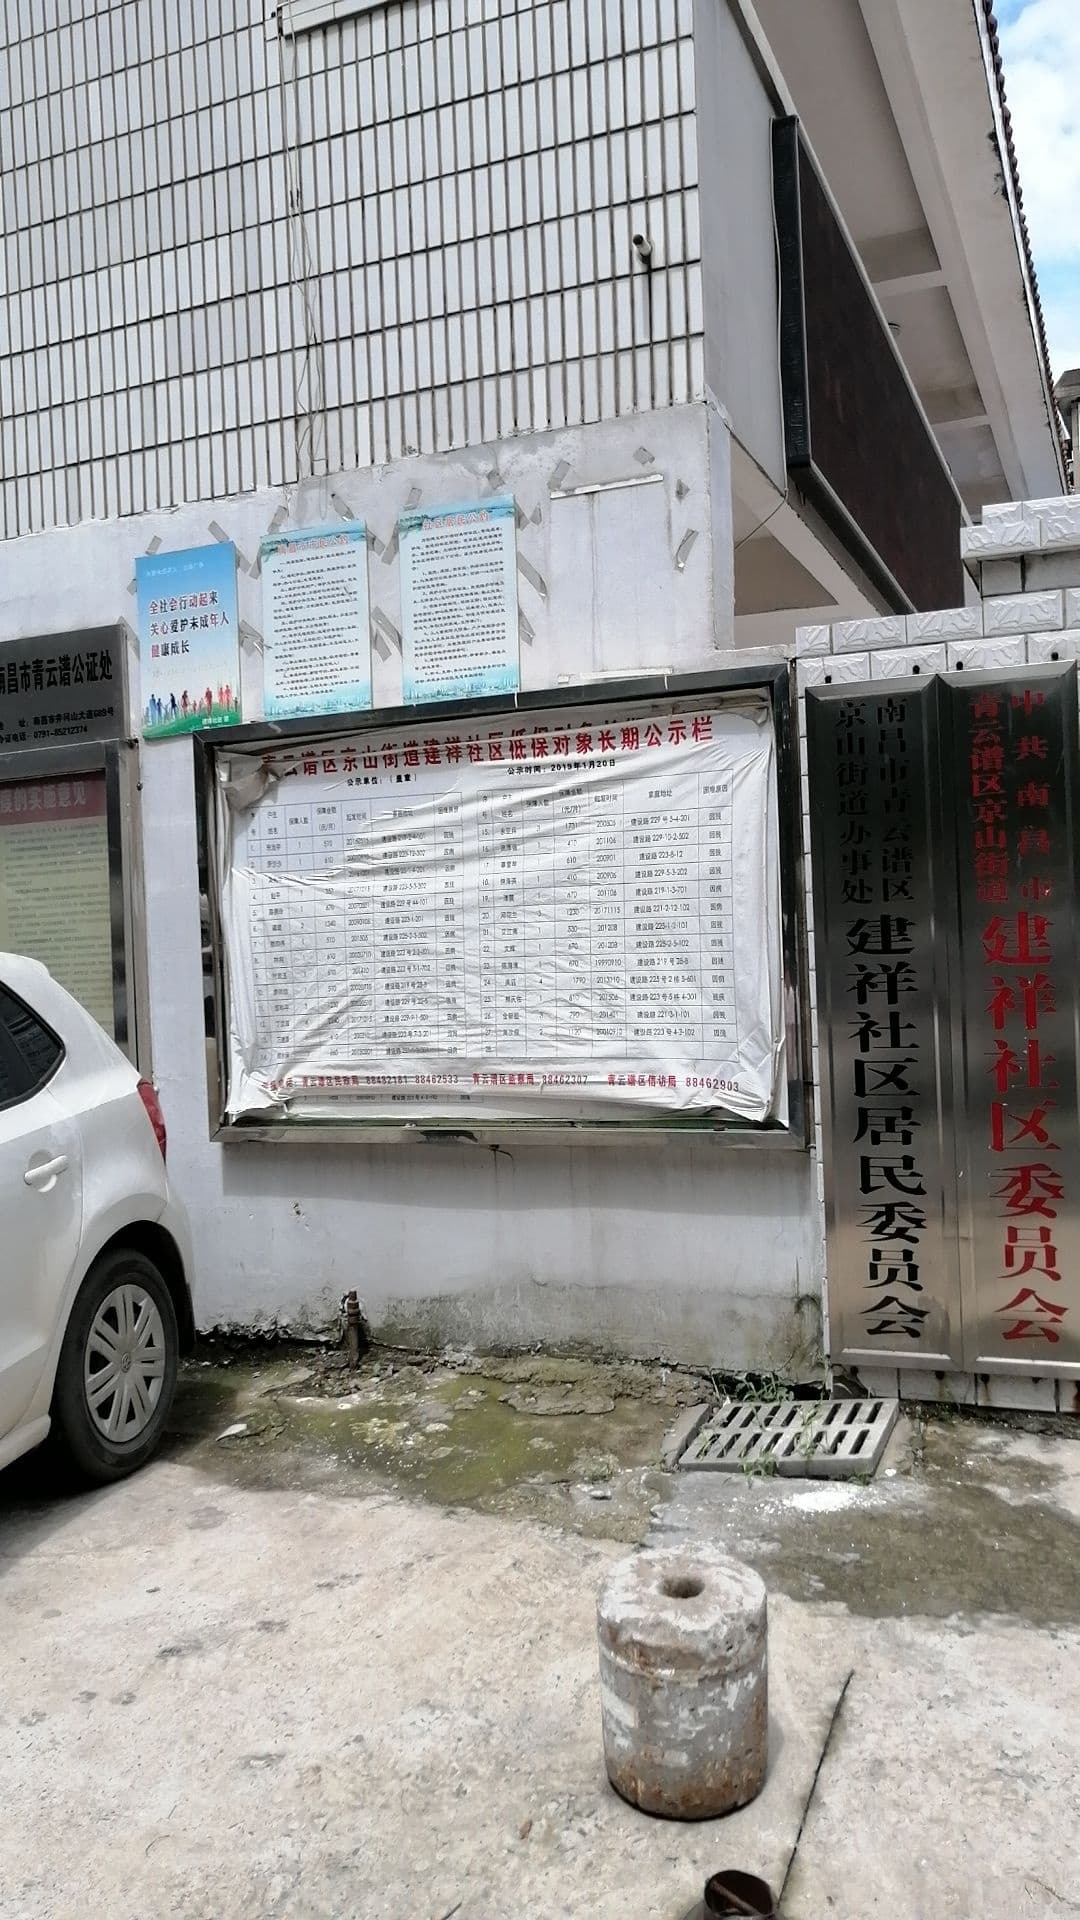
<point>70,847</point>
<point>509,914</point>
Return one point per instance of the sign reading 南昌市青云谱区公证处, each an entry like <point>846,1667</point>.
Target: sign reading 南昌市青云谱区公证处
<point>63,689</point>
<point>459,601</point>
<point>189,649</point>
<point>317,639</point>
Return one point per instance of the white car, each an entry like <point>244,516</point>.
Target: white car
<point>95,1253</point>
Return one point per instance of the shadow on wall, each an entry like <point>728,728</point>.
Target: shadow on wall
<point>675,1248</point>
<point>663,1174</point>
<point>717,1329</point>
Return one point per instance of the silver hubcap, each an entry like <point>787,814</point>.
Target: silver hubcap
<point>124,1365</point>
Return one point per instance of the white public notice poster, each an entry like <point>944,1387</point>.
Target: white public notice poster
<point>459,601</point>
<point>536,917</point>
<point>316,621</point>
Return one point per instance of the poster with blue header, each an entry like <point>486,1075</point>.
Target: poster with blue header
<point>459,601</point>
<point>189,644</point>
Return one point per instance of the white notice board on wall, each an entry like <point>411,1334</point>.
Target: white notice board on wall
<point>316,621</point>
<point>459,601</point>
<point>554,915</point>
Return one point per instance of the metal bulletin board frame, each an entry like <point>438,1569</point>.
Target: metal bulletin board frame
<point>774,682</point>
<point>118,762</point>
<point>81,677</point>
<point>879,856</point>
<point>1016,1019</point>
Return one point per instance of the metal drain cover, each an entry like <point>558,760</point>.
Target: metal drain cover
<point>825,1439</point>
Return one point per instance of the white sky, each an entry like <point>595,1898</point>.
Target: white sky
<point>1040,41</point>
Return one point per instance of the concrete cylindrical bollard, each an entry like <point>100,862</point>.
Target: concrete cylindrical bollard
<point>684,1681</point>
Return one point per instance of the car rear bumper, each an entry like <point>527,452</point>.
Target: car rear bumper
<point>173,1220</point>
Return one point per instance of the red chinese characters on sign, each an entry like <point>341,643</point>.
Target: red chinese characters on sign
<point>46,802</point>
<point>520,746</point>
<point>1012,853</point>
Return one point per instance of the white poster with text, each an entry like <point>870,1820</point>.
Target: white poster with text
<point>459,602</point>
<point>564,915</point>
<point>316,631</point>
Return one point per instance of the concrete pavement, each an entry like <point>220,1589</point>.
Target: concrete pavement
<point>268,1679</point>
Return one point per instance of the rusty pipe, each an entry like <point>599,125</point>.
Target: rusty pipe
<point>351,1305</point>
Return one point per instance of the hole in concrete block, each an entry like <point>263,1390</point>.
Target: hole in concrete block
<point>682,1586</point>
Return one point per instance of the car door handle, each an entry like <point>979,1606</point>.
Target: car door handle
<point>46,1171</point>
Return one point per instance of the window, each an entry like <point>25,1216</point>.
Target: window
<point>29,1051</point>
<point>300,16</point>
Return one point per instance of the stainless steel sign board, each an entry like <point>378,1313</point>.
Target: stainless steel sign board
<point>893,1284</point>
<point>1013,756</point>
<point>944,855</point>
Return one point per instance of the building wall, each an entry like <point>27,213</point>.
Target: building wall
<point>231,260</point>
<point>662,1245</point>
<point>738,236</point>
<point>394,256</point>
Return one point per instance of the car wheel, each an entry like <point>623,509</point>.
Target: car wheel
<point>117,1371</point>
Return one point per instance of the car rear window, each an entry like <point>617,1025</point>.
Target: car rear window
<point>29,1050</point>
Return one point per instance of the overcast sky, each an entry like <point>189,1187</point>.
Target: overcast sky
<point>1040,42</point>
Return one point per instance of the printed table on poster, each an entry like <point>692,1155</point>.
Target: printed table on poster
<point>574,916</point>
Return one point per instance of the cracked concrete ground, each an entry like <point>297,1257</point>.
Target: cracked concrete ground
<point>334,1655</point>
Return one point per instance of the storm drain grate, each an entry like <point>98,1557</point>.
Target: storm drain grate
<point>826,1439</point>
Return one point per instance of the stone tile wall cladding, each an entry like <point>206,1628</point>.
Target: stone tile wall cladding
<point>229,259</point>
<point>1020,546</point>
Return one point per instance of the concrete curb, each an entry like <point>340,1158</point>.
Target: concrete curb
<point>679,1436</point>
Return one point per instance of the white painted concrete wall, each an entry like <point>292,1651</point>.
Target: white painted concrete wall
<point>664,1245</point>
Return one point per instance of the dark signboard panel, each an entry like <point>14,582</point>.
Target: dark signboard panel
<point>948,964</point>
<point>893,1288</point>
<point>1014,761</point>
<point>63,689</point>
<point>856,438</point>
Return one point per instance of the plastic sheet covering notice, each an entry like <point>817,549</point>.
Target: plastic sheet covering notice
<point>553,916</point>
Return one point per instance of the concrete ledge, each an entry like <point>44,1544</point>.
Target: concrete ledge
<point>686,1428</point>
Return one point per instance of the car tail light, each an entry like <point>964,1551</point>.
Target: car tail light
<point>148,1096</point>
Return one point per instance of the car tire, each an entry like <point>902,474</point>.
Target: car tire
<point>117,1372</point>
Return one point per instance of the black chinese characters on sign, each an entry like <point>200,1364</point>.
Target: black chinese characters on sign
<point>877,985</point>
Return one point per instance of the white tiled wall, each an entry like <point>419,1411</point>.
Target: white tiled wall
<point>1004,631</point>
<point>1022,527</point>
<point>1021,613</point>
<point>955,623</point>
<point>897,663</point>
<point>229,260</point>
